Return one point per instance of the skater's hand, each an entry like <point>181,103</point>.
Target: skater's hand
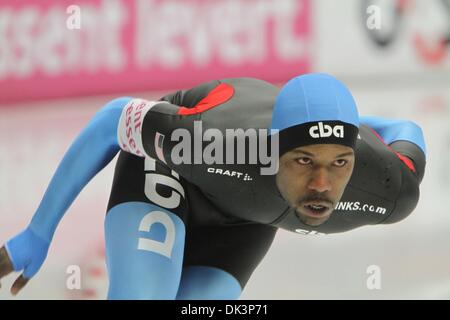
<point>26,252</point>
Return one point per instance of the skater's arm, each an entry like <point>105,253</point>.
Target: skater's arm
<point>91,151</point>
<point>404,138</point>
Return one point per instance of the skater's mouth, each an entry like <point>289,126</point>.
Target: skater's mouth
<point>316,209</point>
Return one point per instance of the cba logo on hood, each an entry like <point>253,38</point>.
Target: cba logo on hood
<point>324,131</point>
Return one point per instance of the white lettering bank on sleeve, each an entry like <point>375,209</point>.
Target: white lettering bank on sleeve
<point>129,131</point>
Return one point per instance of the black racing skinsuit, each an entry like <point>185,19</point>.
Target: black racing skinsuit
<point>232,211</point>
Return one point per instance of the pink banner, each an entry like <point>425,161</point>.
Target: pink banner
<point>52,48</point>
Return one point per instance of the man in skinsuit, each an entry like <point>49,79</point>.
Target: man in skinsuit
<point>191,214</point>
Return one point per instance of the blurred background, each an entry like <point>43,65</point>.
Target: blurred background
<point>60,61</point>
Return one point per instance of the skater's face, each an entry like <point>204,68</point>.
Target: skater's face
<point>313,178</point>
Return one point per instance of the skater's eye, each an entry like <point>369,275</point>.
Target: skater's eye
<point>340,162</point>
<point>304,161</point>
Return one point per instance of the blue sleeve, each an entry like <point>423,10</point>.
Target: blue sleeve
<point>396,130</point>
<point>92,150</point>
